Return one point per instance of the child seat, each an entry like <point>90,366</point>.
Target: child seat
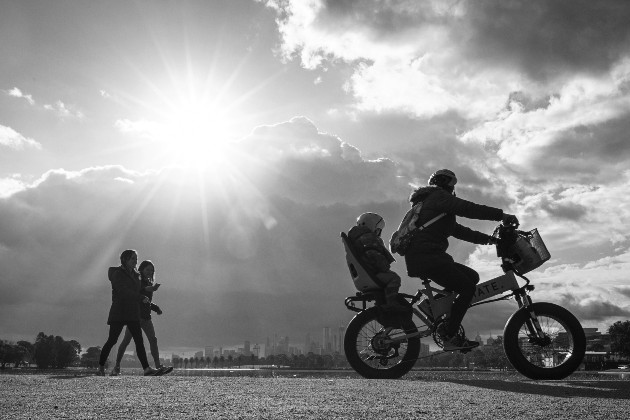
<point>364,279</point>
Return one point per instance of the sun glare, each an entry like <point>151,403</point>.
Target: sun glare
<point>194,134</point>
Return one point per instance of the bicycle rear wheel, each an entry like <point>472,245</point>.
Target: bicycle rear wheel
<point>555,355</point>
<point>369,352</point>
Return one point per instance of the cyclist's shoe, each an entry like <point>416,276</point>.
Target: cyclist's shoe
<point>115,371</point>
<point>100,371</point>
<point>459,343</point>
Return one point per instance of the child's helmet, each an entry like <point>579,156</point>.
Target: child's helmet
<point>372,221</point>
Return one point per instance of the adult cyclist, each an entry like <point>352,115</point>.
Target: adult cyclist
<point>426,256</point>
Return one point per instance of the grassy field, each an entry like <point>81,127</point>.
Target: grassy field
<point>310,395</point>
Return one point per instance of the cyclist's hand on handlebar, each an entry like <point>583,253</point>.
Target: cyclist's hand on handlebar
<point>509,220</point>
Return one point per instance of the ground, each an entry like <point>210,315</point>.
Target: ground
<point>304,395</point>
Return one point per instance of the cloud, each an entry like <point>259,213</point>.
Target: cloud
<point>64,111</point>
<point>465,56</point>
<point>9,186</point>
<point>14,140</point>
<point>594,309</point>
<point>17,93</point>
<point>299,161</point>
<point>59,108</point>
<point>253,242</point>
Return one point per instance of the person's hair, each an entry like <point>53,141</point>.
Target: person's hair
<point>144,265</point>
<point>126,254</point>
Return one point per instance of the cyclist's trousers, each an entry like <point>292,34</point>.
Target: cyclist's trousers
<point>452,276</point>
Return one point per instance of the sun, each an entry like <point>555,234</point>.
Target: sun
<point>194,133</point>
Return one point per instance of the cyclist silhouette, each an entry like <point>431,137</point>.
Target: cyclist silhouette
<point>426,256</point>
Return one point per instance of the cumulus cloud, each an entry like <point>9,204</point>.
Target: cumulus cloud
<point>9,186</point>
<point>14,140</point>
<point>465,56</point>
<point>299,161</point>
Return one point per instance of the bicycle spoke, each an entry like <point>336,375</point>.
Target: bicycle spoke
<point>550,350</point>
<point>374,357</point>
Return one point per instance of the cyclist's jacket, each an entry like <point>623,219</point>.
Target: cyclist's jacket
<point>370,248</point>
<point>434,238</point>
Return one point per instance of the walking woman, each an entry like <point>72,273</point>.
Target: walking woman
<point>147,287</point>
<point>125,310</point>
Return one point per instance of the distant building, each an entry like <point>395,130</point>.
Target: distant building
<point>424,349</point>
<point>479,340</point>
<point>330,341</point>
<point>209,351</point>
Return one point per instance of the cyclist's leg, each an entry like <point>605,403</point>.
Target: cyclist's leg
<point>457,278</point>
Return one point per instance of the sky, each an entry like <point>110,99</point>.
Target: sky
<point>230,142</point>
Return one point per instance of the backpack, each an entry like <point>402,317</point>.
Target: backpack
<point>401,239</point>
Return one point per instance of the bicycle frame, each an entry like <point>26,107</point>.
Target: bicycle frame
<point>440,302</point>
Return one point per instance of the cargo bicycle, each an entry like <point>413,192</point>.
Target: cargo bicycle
<point>541,340</point>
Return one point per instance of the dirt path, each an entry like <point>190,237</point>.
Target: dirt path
<point>418,396</point>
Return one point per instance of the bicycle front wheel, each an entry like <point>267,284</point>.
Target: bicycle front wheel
<point>370,351</point>
<point>555,355</point>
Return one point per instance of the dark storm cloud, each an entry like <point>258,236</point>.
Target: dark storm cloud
<point>593,310</point>
<point>544,38</point>
<point>570,211</point>
<point>547,37</point>
<point>586,153</point>
<point>389,18</point>
<point>624,290</point>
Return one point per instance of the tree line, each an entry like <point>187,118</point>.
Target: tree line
<point>47,352</point>
<point>53,352</point>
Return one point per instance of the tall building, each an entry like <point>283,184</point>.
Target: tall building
<point>478,339</point>
<point>326,340</point>
<point>256,350</point>
<point>209,351</point>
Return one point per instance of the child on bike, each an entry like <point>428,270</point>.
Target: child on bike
<point>366,240</point>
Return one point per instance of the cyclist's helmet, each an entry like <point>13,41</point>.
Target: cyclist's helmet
<point>372,221</point>
<point>443,178</point>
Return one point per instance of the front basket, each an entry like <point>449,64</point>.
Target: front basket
<point>528,252</point>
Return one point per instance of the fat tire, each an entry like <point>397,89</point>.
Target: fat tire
<point>361,366</point>
<point>566,319</point>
